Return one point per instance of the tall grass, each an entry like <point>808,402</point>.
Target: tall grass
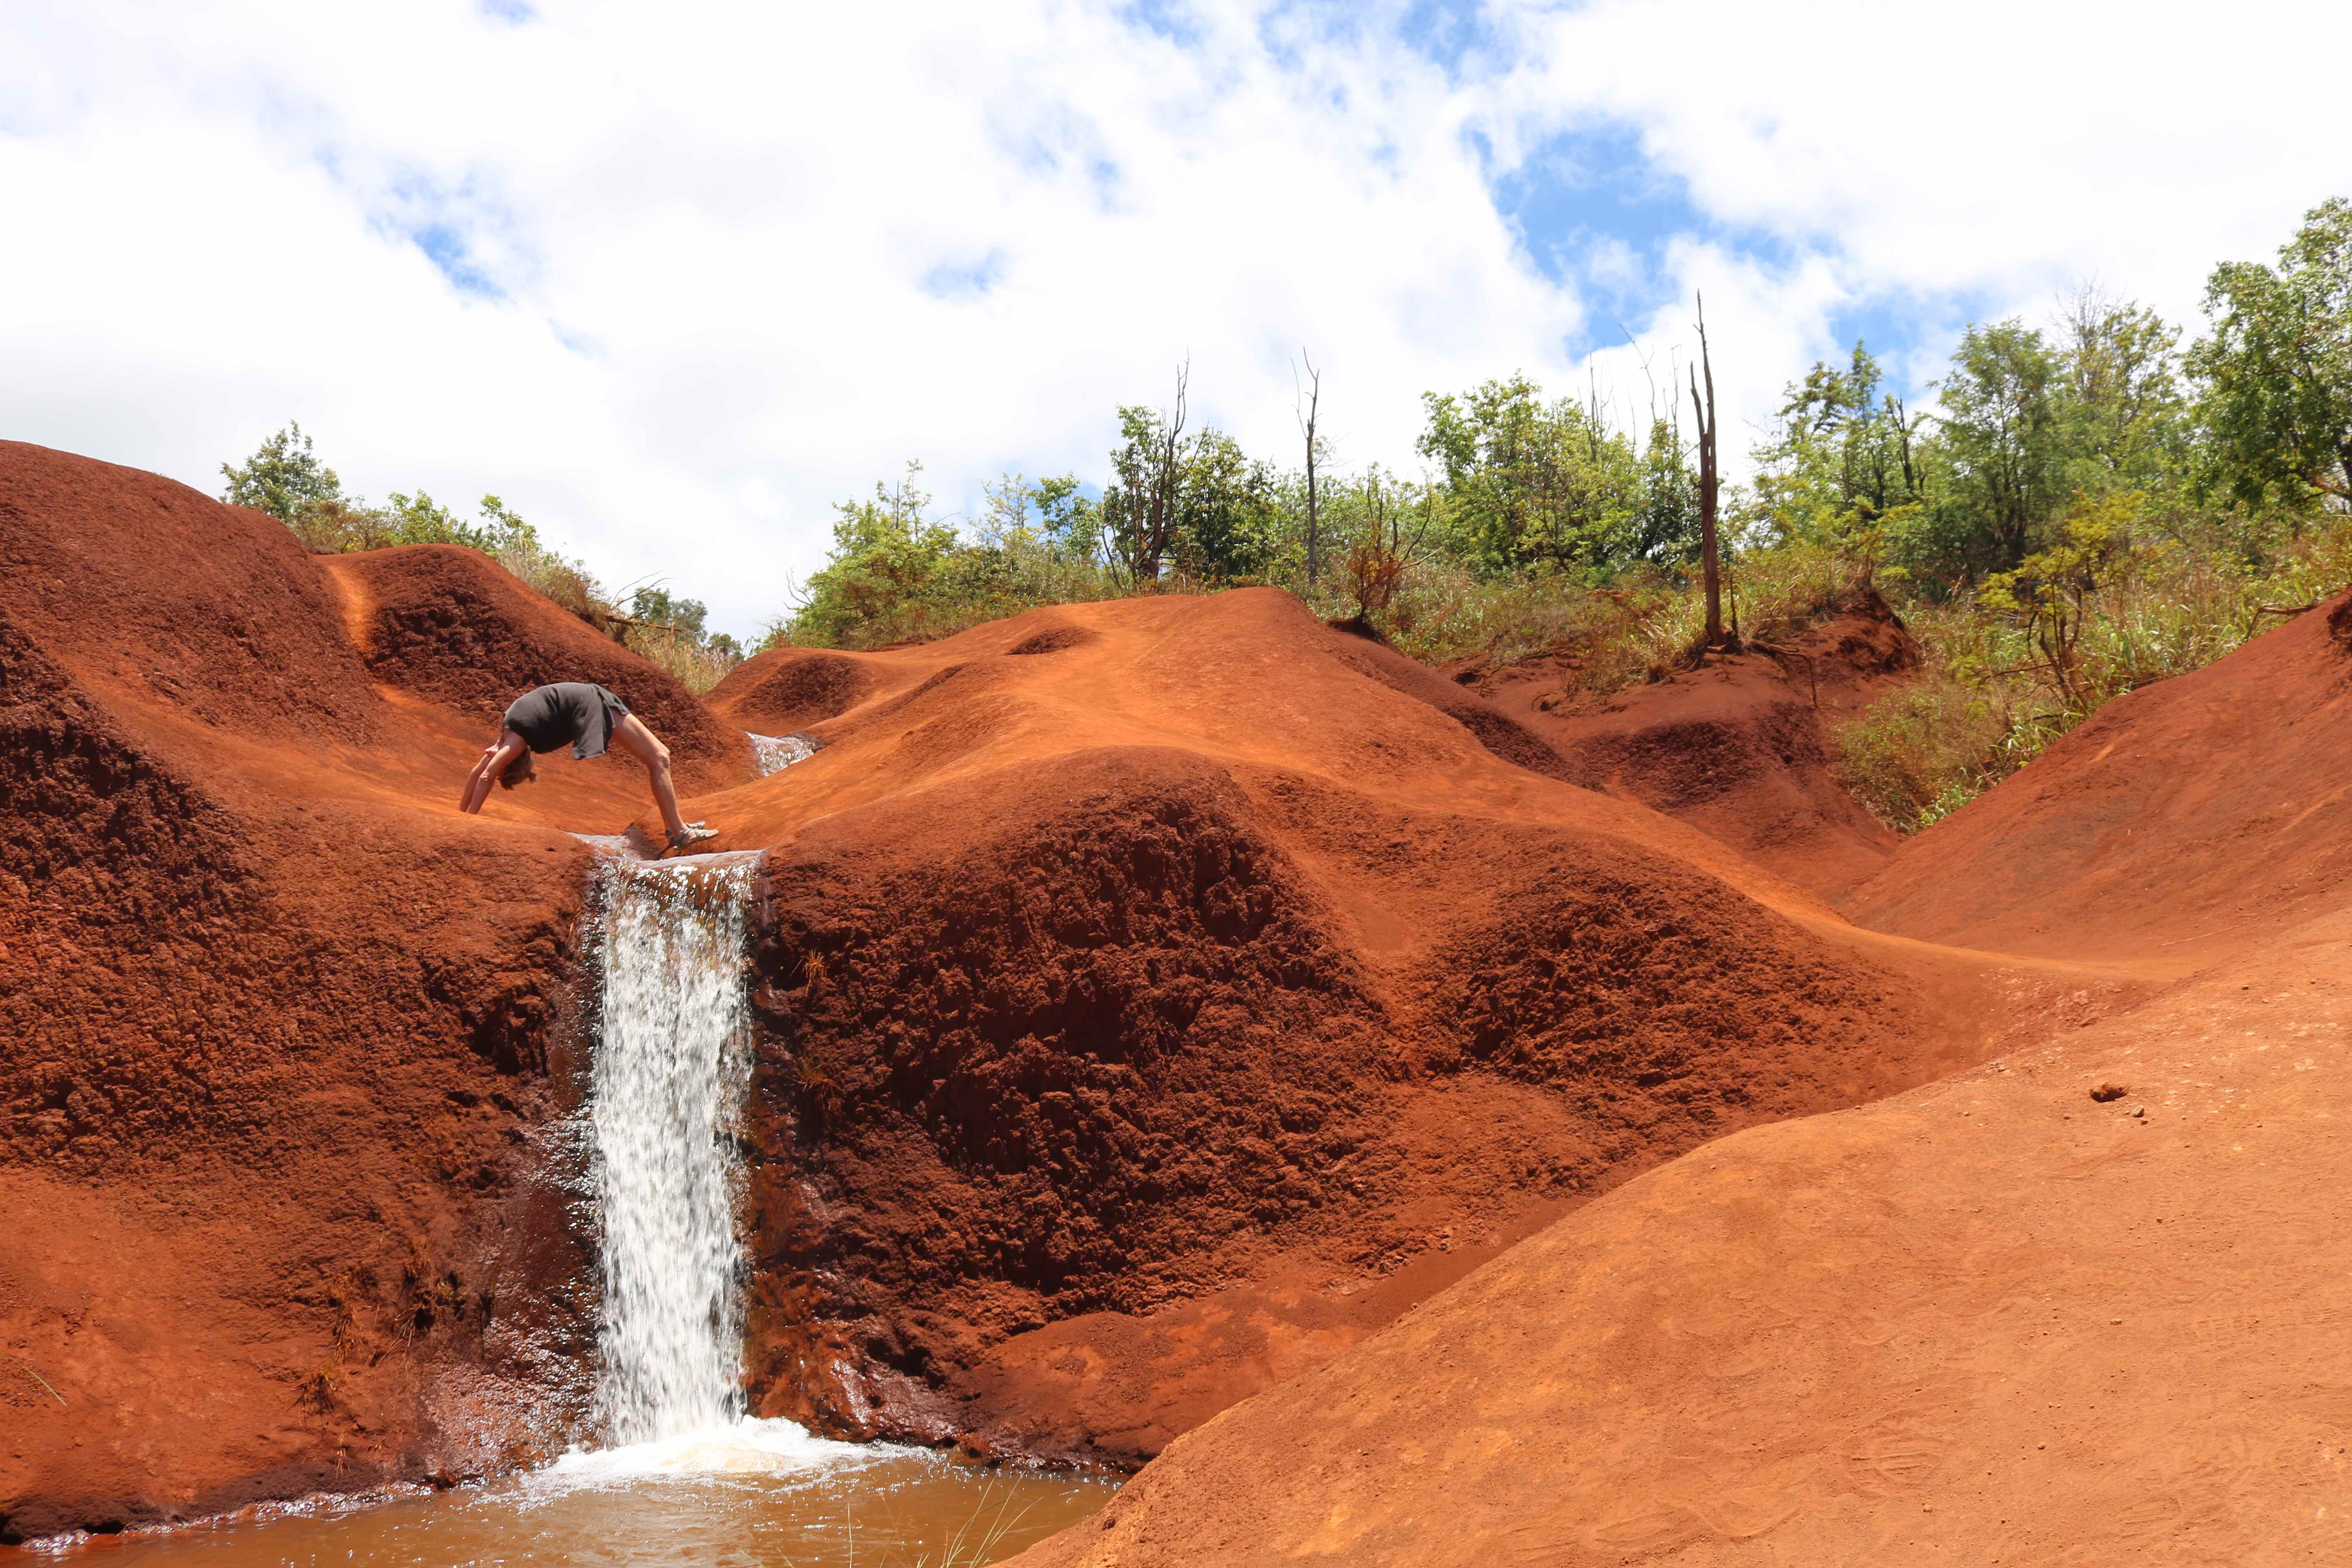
<point>1642,628</point>
<point>697,666</point>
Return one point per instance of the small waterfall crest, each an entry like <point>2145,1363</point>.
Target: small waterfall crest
<point>774,753</point>
<point>672,1060</point>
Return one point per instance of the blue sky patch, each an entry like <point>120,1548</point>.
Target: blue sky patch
<point>1448,33</point>
<point>1163,18</point>
<point>964,279</point>
<point>445,249</point>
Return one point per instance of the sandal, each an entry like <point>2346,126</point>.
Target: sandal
<point>693,833</point>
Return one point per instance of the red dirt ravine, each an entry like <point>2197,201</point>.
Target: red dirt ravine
<point>1739,747</point>
<point>1124,955</point>
<point>1157,999</point>
<point>2079,1305</point>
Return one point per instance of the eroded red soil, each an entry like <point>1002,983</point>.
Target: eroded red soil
<point>284,1031</point>
<point>1157,999</point>
<point>2078,1305</point>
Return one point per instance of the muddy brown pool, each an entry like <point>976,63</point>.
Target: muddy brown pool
<point>790,1501</point>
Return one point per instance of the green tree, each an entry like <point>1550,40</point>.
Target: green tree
<point>658,608</point>
<point>1070,524</point>
<point>1225,510</point>
<point>1136,501</point>
<point>2277,371</point>
<point>2003,439</point>
<point>886,552</point>
<point>1840,460</point>
<point>1666,527</point>
<point>283,478</point>
<point>2119,385</point>
<point>1534,483</point>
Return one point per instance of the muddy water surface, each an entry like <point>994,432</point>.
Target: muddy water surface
<point>878,1507</point>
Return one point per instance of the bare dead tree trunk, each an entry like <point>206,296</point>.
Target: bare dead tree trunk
<point>1313,399</point>
<point>1159,522</point>
<point>1707,487</point>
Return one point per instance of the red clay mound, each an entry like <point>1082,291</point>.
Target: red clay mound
<point>147,588</point>
<point>1191,955</point>
<point>279,1027</point>
<point>1996,1320</point>
<point>2179,822</point>
<point>452,627</point>
<point>1738,748</point>
<point>786,689</point>
<point>1500,733</point>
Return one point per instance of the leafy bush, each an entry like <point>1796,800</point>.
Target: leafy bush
<point>2131,592</point>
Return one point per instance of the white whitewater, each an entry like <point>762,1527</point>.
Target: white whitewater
<point>671,1064</point>
<point>774,753</point>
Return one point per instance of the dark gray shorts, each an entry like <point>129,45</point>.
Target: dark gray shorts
<point>576,713</point>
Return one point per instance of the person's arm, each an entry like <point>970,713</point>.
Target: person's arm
<point>486,772</point>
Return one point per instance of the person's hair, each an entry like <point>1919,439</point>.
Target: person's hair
<point>521,771</point>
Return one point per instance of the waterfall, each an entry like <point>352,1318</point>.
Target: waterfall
<point>671,1063</point>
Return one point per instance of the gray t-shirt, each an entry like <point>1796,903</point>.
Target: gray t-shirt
<point>569,713</point>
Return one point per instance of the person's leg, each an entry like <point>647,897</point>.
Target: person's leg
<point>632,736</point>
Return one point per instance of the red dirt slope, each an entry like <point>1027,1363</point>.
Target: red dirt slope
<point>1740,748</point>
<point>449,625</point>
<point>1122,954</point>
<point>1155,999</point>
<point>1994,1321</point>
<point>784,690</point>
<point>2180,822</point>
<point>283,1031</point>
<point>2081,1305</point>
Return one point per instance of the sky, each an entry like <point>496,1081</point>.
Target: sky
<point>673,279</point>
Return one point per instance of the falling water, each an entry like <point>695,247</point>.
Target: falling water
<point>672,1061</point>
<point>774,753</point>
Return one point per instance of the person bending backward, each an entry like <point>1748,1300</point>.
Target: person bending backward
<point>586,718</point>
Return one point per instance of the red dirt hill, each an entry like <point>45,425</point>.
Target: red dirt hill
<point>1994,1321</point>
<point>1160,995</point>
<point>449,626</point>
<point>785,690</point>
<point>2079,1305</point>
<point>283,1028</point>
<point>1738,748</point>
<point>1156,999</point>
<point>2182,821</point>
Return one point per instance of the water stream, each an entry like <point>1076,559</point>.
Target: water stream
<point>774,753</point>
<point>681,1473</point>
<point>671,1062</point>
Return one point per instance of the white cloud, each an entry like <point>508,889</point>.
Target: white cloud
<point>732,263</point>
<point>1977,160</point>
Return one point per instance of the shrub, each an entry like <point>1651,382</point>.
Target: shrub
<point>2131,594</point>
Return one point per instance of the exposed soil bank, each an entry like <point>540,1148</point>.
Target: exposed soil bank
<point>2080,1305</point>
<point>2181,823</point>
<point>1156,999</point>
<point>1992,1321</point>
<point>1740,748</point>
<point>279,1042</point>
<point>1146,985</point>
